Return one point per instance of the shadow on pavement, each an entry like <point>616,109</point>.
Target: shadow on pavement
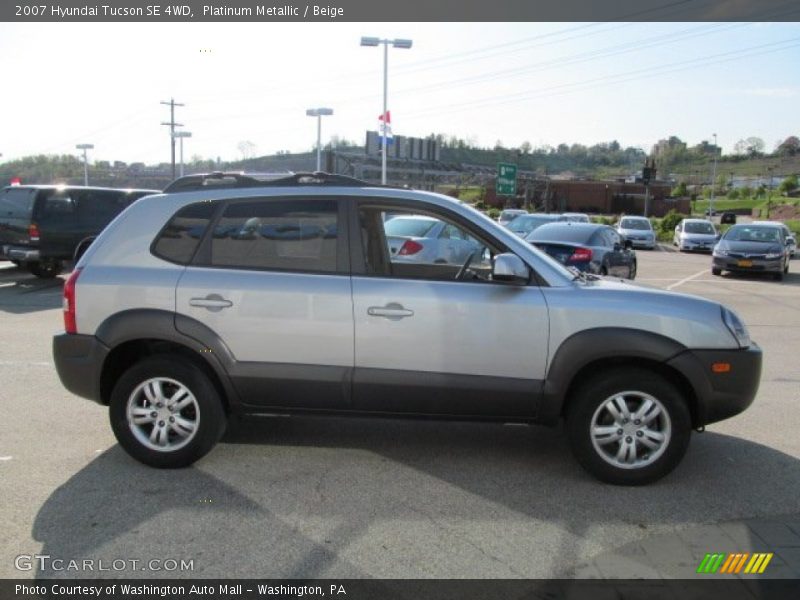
<point>21,292</point>
<point>315,497</point>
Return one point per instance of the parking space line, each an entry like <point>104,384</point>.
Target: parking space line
<point>17,363</point>
<point>685,279</point>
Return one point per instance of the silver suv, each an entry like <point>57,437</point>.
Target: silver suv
<point>227,294</point>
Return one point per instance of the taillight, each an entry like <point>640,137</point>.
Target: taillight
<point>33,232</point>
<point>410,247</point>
<point>580,255</point>
<point>70,326</point>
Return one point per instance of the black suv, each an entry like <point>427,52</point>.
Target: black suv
<point>41,226</point>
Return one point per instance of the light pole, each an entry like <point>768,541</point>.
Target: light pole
<point>181,135</point>
<point>85,147</point>
<point>319,113</point>
<point>713,177</point>
<point>373,41</point>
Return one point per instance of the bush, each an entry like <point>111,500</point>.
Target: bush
<point>733,194</point>
<point>480,205</point>
<point>670,221</point>
<point>493,213</point>
<point>603,220</point>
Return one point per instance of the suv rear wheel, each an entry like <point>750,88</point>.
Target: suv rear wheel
<point>628,427</point>
<point>46,269</point>
<point>165,412</point>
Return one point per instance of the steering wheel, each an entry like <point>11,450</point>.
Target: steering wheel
<point>465,267</point>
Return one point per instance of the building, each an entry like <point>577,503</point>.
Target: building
<point>670,144</point>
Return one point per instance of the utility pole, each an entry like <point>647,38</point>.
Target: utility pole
<point>172,125</point>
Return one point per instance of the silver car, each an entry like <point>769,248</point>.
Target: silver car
<point>638,230</point>
<point>177,328</point>
<point>509,214</point>
<point>695,234</point>
<point>419,238</point>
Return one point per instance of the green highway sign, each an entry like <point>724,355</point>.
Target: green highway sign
<point>506,179</point>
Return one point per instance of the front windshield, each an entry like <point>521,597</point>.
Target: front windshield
<point>691,227</point>
<point>527,224</point>
<point>639,224</point>
<point>752,233</point>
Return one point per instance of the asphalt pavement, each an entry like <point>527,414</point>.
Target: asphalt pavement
<point>323,497</point>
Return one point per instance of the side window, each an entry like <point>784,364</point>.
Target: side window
<point>405,245</point>
<point>100,206</point>
<point>293,235</point>
<point>178,241</point>
<point>57,205</point>
<point>613,237</point>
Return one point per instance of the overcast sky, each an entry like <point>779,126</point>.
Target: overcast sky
<point>546,83</point>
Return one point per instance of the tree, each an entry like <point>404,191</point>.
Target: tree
<point>247,149</point>
<point>526,147</point>
<point>746,192</point>
<point>680,190</point>
<point>789,184</point>
<point>789,147</point>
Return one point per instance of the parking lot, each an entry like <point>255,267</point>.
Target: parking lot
<point>321,497</point>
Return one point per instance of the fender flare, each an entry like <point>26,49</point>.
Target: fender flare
<point>592,345</point>
<point>154,324</point>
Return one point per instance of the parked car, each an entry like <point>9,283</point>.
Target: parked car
<point>727,218</point>
<point>41,226</point>
<point>424,239</point>
<point>177,333</point>
<point>638,230</point>
<point>752,248</point>
<point>575,217</point>
<point>695,234</point>
<point>509,214</point>
<point>588,247</point>
<point>524,224</point>
<point>787,233</point>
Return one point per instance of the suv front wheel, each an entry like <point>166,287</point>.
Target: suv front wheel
<point>166,413</point>
<point>628,426</point>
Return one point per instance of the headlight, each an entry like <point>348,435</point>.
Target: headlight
<point>736,327</point>
<point>720,252</point>
<point>773,255</point>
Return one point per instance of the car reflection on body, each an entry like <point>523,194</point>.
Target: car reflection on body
<point>695,234</point>
<point>638,230</point>
<point>587,247</point>
<point>752,248</point>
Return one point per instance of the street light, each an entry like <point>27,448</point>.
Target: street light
<point>85,147</point>
<point>403,44</point>
<point>713,177</point>
<point>181,135</point>
<point>319,113</point>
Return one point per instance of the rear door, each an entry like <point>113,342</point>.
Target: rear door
<point>56,215</point>
<point>272,280</point>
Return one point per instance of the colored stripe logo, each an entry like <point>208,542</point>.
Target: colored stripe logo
<point>735,563</point>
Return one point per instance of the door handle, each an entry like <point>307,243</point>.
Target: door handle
<point>392,311</point>
<point>213,302</point>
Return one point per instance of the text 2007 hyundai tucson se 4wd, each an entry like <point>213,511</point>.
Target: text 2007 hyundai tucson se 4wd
<point>228,294</point>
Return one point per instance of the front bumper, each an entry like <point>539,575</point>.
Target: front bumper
<point>721,395</point>
<point>697,246</point>
<point>643,243</point>
<point>759,265</point>
<point>79,362</point>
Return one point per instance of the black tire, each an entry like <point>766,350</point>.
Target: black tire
<point>82,247</point>
<point>778,276</point>
<point>595,392</point>
<point>715,271</point>
<point>603,271</point>
<point>632,271</point>
<point>209,411</point>
<point>46,269</point>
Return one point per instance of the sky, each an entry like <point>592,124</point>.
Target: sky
<point>544,83</point>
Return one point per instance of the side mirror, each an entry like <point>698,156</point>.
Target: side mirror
<point>789,241</point>
<point>510,268</point>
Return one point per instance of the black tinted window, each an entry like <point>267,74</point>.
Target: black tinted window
<point>295,235</point>
<point>180,238</point>
<point>16,202</point>
<point>101,205</point>
<point>57,204</point>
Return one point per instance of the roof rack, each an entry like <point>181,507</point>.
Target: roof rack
<point>243,180</point>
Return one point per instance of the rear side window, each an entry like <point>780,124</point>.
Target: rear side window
<point>101,205</point>
<point>178,241</point>
<point>294,235</point>
<point>56,205</point>
<point>16,202</point>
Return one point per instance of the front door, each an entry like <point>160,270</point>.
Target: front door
<point>434,337</point>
